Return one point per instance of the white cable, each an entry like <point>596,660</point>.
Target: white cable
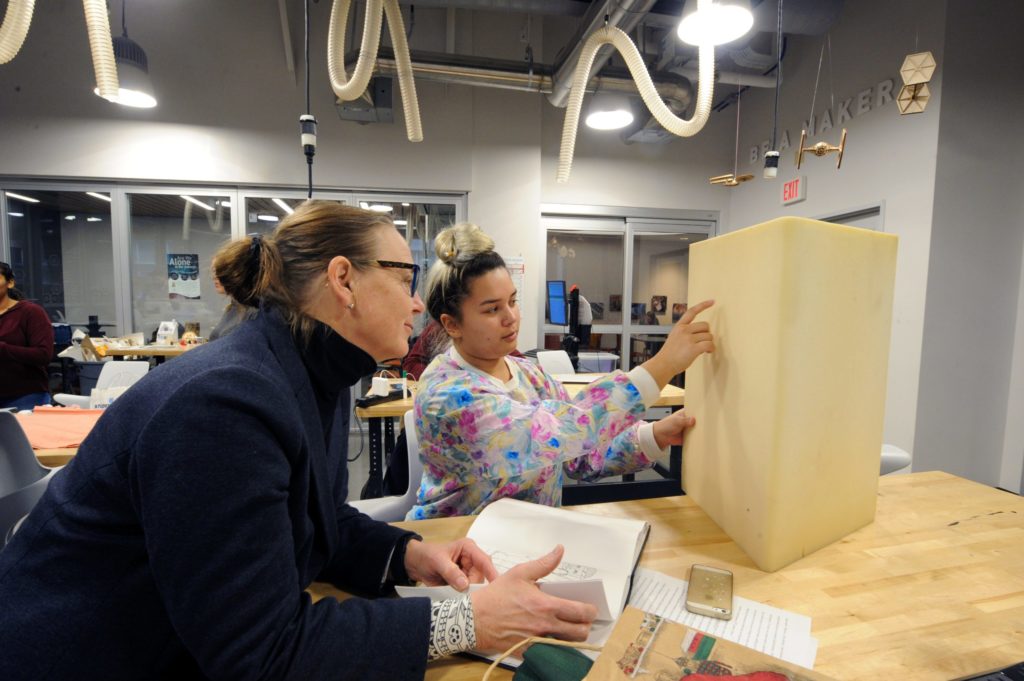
<point>98,26</point>
<point>15,28</point>
<point>621,42</point>
<point>349,89</point>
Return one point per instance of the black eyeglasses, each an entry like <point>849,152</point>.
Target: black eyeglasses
<point>402,266</point>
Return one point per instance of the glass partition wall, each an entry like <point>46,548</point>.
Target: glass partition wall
<point>632,271</point>
<point>129,257</point>
<point>60,245</point>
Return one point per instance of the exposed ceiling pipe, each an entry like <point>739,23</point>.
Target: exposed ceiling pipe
<point>481,75</point>
<point>622,14</point>
<point>573,8</point>
<point>728,77</point>
<point>286,36</point>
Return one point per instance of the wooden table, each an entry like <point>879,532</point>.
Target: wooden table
<point>379,418</point>
<point>160,352</point>
<point>55,457</point>
<point>933,589</point>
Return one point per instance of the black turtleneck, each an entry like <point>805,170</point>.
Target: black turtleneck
<point>333,365</point>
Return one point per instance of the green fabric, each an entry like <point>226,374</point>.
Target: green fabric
<point>545,662</point>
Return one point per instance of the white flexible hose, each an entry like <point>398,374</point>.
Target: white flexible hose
<point>15,28</point>
<point>621,42</point>
<point>98,26</point>
<point>349,89</point>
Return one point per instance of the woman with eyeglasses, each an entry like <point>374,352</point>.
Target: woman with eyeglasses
<point>26,347</point>
<point>180,540</point>
<point>491,425</point>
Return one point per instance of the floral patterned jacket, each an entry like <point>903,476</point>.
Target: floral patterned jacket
<point>482,439</point>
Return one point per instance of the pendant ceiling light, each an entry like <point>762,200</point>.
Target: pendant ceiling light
<point>134,88</point>
<point>609,112</point>
<point>716,24</point>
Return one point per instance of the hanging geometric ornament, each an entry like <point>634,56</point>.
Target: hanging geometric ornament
<point>917,68</point>
<point>820,149</point>
<point>913,99</point>
<point>916,71</point>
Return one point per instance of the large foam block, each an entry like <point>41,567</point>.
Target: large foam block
<point>790,407</point>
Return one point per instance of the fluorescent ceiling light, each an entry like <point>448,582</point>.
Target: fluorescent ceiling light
<point>196,201</point>
<point>267,218</point>
<point>720,23</point>
<point>609,112</point>
<point>69,217</point>
<point>609,120</point>
<point>405,204</point>
<point>401,222</point>
<point>364,205</point>
<point>21,197</point>
<point>94,219</point>
<point>15,215</point>
<point>284,206</point>
<point>102,197</point>
<point>381,208</point>
<point>224,204</point>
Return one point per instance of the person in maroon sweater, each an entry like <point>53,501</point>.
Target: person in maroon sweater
<point>431,343</point>
<point>26,346</point>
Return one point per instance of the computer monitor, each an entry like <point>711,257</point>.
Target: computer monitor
<point>557,308</point>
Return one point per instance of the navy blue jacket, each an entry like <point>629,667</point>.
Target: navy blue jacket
<point>179,541</point>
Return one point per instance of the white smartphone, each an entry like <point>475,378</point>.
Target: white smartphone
<point>710,592</point>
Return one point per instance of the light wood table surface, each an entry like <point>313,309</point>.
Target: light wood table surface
<point>932,590</point>
<point>160,352</point>
<point>56,457</point>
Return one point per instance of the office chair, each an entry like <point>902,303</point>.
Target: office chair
<point>393,508</point>
<point>114,379</point>
<point>22,478</point>
<point>555,362</point>
<point>893,459</point>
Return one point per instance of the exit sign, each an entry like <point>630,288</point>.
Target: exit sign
<point>795,190</point>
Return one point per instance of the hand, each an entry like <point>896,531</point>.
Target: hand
<point>687,341</point>
<point>513,608</point>
<point>672,429</point>
<point>458,563</point>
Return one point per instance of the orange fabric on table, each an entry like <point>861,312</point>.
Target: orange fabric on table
<point>58,427</point>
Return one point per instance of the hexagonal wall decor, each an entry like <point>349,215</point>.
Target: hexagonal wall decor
<point>917,68</point>
<point>913,98</point>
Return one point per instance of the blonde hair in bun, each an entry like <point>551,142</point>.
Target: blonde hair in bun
<point>464,252</point>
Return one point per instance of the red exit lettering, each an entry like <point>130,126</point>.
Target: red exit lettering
<point>792,191</point>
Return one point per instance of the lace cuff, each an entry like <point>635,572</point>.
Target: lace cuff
<point>452,629</point>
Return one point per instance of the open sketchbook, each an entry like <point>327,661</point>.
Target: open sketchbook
<point>601,554</point>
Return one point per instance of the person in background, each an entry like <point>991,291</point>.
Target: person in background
<point>26,347</point>
<point>432,341</point>
<point>180,540</point>
<point>586,315</point>
<point>493,426</point>
<point>234,314</point>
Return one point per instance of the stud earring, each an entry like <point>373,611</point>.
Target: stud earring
<point>351,305</point>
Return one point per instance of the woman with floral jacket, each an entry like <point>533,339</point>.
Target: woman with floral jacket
<point>492,426</point>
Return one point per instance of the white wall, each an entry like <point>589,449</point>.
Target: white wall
<point>889,160</point>
<point>973,305</point>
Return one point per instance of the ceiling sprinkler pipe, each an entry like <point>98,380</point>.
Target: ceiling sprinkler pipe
<point>664,115</point>
<point>15,28</point>
<point>351,89</point>
<point>98,26</point>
